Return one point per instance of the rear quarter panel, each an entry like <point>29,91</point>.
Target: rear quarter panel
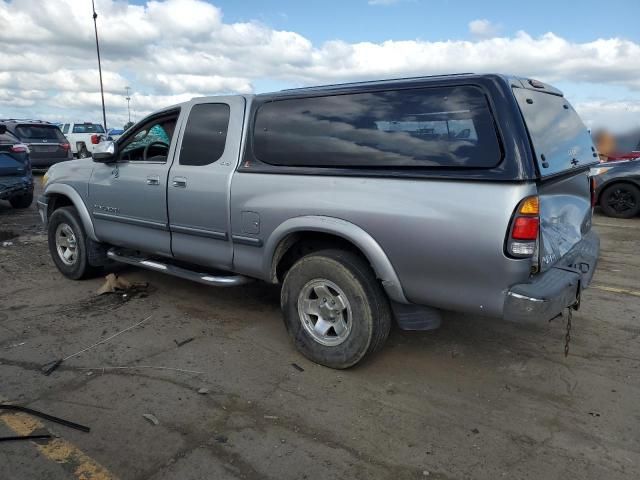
<point>445,239</point>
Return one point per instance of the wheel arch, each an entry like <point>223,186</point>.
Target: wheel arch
<point>332,231</point>
<point>61,195</point>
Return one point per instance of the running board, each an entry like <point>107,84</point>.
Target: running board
<point>159,266</point>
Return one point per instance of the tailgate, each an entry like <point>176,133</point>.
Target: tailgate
<point>47,150</point>
<point>565,216</point>
<point>563,150</point>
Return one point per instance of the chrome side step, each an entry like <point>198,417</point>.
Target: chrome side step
<point>137,260</point>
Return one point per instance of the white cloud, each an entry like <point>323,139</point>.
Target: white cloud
<point>483,28</point>
<point>618,116</point>
<point>172,50</point>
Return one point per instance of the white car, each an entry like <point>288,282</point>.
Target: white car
<point>83,137</point>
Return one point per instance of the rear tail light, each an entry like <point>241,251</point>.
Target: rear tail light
<point>65,146</point>
<point>19,148</point>
<point>95,139</point>
<point>592,185</point>
<point>525,228</point>
<point>522,241</point>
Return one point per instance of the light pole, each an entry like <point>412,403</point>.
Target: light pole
<point>128,97</point>
<point>95,26</point>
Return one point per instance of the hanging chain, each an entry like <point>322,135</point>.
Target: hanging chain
<point>567,337</point>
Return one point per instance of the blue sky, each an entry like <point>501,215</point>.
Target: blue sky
<point>169,51</point>
<point>358,20</point>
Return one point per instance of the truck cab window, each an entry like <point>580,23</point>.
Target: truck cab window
<point>150,143</point>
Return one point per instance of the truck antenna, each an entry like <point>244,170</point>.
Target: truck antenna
<point>95,26</point>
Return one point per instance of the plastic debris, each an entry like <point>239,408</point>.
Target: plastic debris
<point>151,418</point>
<point>120,285</point>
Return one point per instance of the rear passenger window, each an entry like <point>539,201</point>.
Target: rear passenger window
<point>428,127</point>
<point>205,134</point>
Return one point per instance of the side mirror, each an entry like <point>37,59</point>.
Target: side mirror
<point>3,128</point>
<point>105,152</point>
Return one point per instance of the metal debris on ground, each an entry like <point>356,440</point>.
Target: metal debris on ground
<point>51,366</point>
<point>297,367</point>
<point>136,367</point>
<point>151,418</point>
<point>45,416</point>
<point>119,285</point>
<point>26,437</point>
<point>183,342</point>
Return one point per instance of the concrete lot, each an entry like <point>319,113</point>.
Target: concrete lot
<point>477,399</point>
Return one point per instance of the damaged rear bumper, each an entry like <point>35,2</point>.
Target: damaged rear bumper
<point>14,186</point>
<point>549,293</point>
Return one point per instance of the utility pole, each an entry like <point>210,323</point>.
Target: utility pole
<point>128,97</point>
<point>95,26</point>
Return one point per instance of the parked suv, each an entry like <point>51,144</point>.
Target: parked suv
<point>16,180</point>
<point>47,145</point>
<point>366,201</point>
<point>83,137</point>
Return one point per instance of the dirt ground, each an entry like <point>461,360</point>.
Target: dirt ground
<point>476,399</point>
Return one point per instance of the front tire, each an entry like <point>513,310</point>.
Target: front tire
<point>621,200</point>
<point>68,244</point>
<point>22,201</point>
<point>335,310</point>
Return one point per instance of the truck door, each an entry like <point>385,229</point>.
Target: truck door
<point>199,181</point>
<point>128,198</point>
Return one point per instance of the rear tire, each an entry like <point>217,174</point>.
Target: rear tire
<point>83,153</point>
<point>621,200</point>
<point>22,201</point>
<point>335,310</point>
<point>68,244</point>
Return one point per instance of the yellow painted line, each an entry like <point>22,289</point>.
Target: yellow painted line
<point>624,291</point>
<point>58,450</point>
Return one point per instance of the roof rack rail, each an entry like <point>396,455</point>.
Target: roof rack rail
<point>23,120</point>
<point>376,81</point>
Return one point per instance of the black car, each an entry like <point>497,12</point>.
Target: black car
<point>46,142</point>
<point>617,188</point>
<point>16,181</point>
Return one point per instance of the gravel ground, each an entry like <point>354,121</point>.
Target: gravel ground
<point>478,398</point>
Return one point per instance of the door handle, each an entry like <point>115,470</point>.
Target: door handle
<point>153,180</point>
<point>179,182</point>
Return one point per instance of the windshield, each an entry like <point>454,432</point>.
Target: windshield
<point>39,133</point>
<point>560,139</point>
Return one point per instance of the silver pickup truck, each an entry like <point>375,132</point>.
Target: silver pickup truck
<point>369,202</point>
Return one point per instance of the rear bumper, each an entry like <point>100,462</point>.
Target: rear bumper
<point>549,293</point>
<point>12,186</point>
